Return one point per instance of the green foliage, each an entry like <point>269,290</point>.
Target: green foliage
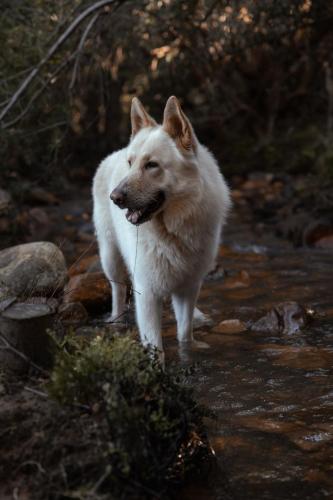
<point>149,422</point>
<point>247,72</point>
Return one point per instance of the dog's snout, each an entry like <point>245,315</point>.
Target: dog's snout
<point>118,196</point>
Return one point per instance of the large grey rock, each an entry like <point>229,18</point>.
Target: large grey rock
<point>37,268</point>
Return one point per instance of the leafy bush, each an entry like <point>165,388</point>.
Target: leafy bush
<point>150,429</point>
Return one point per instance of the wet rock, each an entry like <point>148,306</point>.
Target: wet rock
<point>325,242</point>
<point>316,231</point>
<point>5,303</point>
<point>241,280</point>
<point>230,326</point>
<point>311,439</point>
<point>73,313</point>
<point>88,264</point>
<point>5,291</point>
<point>51,302</point>
<point>92,290</point>
<point>24,336</point>
<point>37,268</point>
<point>287,317</point>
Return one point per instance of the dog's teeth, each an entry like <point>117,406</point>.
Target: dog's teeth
<point>135,216</point>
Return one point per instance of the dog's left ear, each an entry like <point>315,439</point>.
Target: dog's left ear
<point>178,126</point>
<point>139,117</point>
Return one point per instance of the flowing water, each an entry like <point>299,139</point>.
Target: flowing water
<point>272,392</point>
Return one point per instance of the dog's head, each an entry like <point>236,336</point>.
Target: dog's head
<point>161,163</point>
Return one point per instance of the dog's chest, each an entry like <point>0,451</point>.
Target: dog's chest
<point>165,264</point>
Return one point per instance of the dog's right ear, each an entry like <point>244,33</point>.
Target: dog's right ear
<point>139,117</point>
<point>178,126</point>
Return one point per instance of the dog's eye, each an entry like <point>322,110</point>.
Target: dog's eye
<point>129,162</point>
<point>151,164</point>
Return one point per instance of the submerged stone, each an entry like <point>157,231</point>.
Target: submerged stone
<point>230,326</point>
<point>286,317</point>
<point>91,289</point>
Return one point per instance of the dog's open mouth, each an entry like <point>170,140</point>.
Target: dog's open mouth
<point>139,215</point>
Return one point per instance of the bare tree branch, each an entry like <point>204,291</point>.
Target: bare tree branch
<point>80,48</point>
<point>39,92</point>
<point>71,28</point>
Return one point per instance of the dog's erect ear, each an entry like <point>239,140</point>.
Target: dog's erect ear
<point>139,117</point>
<point>178,126</point>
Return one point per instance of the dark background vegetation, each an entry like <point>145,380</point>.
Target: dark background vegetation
<point>254,76</point>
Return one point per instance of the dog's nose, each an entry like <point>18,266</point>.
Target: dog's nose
<point>118,197</point>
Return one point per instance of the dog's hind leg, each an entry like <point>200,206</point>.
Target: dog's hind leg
<point>184,304</point>
<point>115,270</point>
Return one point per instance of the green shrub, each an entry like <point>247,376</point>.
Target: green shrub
<point>150,426</point>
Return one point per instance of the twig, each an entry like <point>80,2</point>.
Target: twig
<point>329,90</point>
<point>80,257</point>
<point>12,77</point>
<point>20,354</point>
<point>80,47</point>
<point>42,129</point>
<point>59,42</point>
<point>32,462</point>
<point>39,92</point>
<point>56,288</point>
<point>100,481</point>
<point>45,395</point>
<point>209,11</point>
<point>34,391</point>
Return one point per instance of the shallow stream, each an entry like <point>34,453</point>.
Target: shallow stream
<point>272,392</point>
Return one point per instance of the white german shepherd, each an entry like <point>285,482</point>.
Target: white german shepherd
<point>167,239</point>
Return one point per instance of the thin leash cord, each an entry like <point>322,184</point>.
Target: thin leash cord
<point>134,269</point>
<point>128,305</point>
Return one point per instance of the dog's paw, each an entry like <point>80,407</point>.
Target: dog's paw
<point>194,344</point>
<point>115,319</point>
<point>199,344</point>
<point>200,319</point>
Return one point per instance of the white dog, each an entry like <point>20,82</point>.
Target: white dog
<point>167,239</point>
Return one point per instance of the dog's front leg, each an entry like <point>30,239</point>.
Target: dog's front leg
<point>183,304</point>
<point>149,315</point>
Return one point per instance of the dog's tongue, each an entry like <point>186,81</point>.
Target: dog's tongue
<point>134,216</point>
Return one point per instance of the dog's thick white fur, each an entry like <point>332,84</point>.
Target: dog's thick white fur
<point>177,202</point>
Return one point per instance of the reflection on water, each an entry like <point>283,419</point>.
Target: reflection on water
<point>272,393</point>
